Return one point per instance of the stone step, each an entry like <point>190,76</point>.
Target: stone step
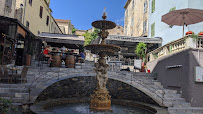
<point>158,84</point>
<point>14,100</point>
<point>181,104</point>
<point>17,104</point>
<point>174,99</point>
<point>172,95</point>
<point>168,91</point>
<point>13,85</point>
<point>167,104</point>
<point>14,90</point>
<point>21,95</point>
<point>188,110</point>
<point>3,94</point>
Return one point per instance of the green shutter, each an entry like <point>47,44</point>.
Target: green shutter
<point>153,30</point>
<point>153,6</point>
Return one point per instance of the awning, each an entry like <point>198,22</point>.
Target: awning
<point>62,38</point>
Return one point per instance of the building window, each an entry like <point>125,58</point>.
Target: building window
<point>126,13</point>
<point>132,21</point>
<point>27,24</point>
<point>8,5</point>
<point>145,26</point>
<point>153,30</point>
<point>153,6</point>
<point>145,7</point>
<point>118,27</point>
<point>30,2</point>
<point>41,11</point>
<point>47,20</point>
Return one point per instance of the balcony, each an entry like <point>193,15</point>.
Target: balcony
<point>175,47</point>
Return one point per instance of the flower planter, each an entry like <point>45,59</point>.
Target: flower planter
<point>201,33</point>
<point>189,33</point>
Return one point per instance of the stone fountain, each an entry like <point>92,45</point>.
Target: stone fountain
<point>100,99</point>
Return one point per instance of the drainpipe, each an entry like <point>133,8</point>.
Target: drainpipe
<point>24,13</point>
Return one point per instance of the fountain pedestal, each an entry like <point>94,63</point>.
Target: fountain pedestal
<point>100,100</point>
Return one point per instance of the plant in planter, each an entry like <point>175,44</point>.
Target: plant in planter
<point>201,33</point>
<point>189,32</point>
<point>141,53</point>
<point>6,106</point>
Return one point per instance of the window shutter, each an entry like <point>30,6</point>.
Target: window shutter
<point>153,6</point>
<point>41,11</point>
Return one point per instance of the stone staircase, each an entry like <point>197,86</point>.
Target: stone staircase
<point>14,92</point>
<point>170,98</point>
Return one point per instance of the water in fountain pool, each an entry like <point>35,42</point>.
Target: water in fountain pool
<point>84,109</point>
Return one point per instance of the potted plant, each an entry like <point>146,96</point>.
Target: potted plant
<point>201,33</point>
<point>141,53</point>
<point>6,106</point>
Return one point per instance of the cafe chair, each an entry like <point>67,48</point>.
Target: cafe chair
<point>5,75</point>
<point>23,75</point>
<point>42,60</point>
<point>1,73</point>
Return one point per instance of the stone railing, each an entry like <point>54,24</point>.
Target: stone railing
<point>175,46</point>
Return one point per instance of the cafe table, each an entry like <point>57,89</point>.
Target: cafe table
<point>13,69</point>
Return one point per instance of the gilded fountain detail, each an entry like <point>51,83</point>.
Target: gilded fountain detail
<point>100,99</point>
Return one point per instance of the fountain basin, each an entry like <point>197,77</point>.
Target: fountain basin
<point>76,106</point>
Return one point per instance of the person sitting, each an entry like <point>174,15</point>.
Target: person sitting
<point>46,53</point>
<point>82,57</point>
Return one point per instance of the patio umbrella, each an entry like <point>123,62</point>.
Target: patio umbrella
<point>183,17</point>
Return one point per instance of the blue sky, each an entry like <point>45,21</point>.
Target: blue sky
<point>83,12</point>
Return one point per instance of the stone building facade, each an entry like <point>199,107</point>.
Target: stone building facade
<point>118,30</point>
<point>36,16</point>
<point>65,25</point>
<point>80,32</point>
<point>136,18</point>
<point>7,8</point>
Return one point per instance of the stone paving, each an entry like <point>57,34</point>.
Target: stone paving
<point>39,78</point>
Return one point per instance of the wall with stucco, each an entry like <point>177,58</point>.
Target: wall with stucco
<point>163,30</point>
<point>181,78</point>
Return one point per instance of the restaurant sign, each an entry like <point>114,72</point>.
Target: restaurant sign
<point>199,74</point>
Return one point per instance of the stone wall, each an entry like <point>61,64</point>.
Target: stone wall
<point>181,78</point>
<point>83,87</point>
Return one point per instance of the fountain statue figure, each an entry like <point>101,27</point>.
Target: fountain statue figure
<point>100,99</point>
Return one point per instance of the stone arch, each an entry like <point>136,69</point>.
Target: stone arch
<point>36,94</point>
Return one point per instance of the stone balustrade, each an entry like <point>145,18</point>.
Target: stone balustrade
<point>176,46</point>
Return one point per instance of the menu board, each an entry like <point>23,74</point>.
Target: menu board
<point>199,74</point>
<point>137,63</point>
